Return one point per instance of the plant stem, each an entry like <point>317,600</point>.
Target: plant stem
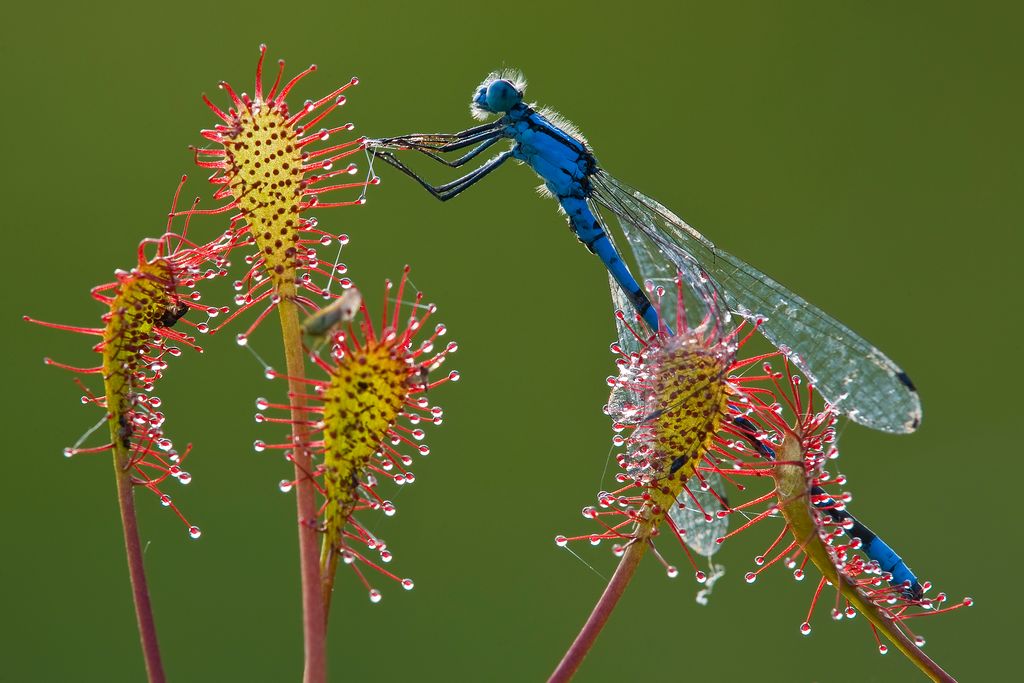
<point>888,626</point>
<point>136,569</point>
<point>602,610</point>
<point>328,568</point>
<point>790,479</point>
<point>313,622</point>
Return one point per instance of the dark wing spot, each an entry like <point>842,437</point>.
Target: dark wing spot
<point>902,377</point>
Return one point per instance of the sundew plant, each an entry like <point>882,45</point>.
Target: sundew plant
<point>354,386</point>
<point>758,424</point>
<point>709,437</point>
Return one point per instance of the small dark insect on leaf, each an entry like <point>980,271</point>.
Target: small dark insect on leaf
<point>125,430</point>
<point>173,313</point>
<point>420,377</point>
<point>677,463</point>
<point>329,318</point>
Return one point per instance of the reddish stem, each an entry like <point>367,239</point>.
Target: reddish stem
<point>925,663</point>
<point>803,525</point>
<point>602,610</point>
<point>136,569</point>
<point>313,621</point>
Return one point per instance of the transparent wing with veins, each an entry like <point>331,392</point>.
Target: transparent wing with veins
<point>848,370</point>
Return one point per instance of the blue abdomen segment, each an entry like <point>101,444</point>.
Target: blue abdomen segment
<point>875,548</point>
<point>590,232</point>
<point>879,551</point>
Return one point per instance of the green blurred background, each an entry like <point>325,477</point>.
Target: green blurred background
<point>867,156</point>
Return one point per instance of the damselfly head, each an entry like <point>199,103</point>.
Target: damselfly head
<point>499,92</point>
